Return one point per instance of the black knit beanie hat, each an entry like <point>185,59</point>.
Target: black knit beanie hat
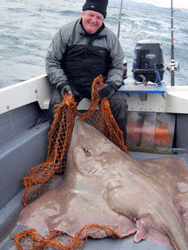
<point>96,5</point>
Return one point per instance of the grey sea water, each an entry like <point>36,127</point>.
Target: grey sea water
<point>27,27</point>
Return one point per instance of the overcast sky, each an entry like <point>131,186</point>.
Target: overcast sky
<point>166,3</point>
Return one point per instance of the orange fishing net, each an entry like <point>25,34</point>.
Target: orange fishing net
<point>60,135</point>
<point>29,239</point>
<point>99,115</point>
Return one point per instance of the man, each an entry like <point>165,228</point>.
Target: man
<point>82,50</point>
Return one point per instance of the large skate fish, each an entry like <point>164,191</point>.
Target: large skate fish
<point>104,185</point>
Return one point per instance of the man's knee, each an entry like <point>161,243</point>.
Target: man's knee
<point>118,103</point>
<point>56,97</point>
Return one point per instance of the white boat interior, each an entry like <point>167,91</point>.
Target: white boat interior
<point>24,128</point>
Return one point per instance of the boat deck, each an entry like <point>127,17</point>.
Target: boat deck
<point>100,244</point>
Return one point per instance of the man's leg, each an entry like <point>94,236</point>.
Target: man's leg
<point>118,105</point>
<point>55,99</point>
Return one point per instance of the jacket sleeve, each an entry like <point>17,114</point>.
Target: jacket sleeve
<point>115,74</point>
<point>54,56</point>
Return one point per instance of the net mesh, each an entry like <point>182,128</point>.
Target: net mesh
<point>29,239</point>
<point>60,135</point>
<point>98,115</point>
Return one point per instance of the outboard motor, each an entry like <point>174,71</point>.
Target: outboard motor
<point>148,63</point>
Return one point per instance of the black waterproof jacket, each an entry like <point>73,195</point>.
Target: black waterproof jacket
<point>76,58</point>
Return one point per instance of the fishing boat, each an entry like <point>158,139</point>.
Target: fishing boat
<point>155,108</point>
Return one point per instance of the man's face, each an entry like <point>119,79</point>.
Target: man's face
<point>92,21</point>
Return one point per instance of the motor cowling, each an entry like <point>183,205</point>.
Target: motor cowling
<point>148,62</point>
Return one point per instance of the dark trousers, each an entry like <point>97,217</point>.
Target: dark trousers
<point>118,106</point>
<point>55,99</point>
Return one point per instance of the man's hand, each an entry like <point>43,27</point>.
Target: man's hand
<point>66,89</point>
<point>107,91</point>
